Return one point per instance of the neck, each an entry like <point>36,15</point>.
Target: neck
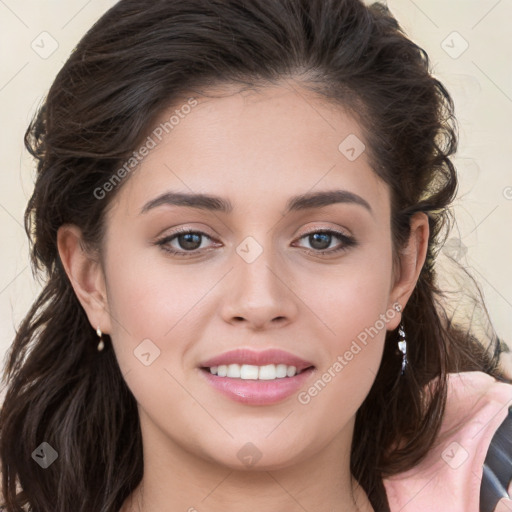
<point>249,492</point>
<point>176,480</point>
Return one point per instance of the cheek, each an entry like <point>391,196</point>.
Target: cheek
<point>349,298</point>
<point>150,299</point>
<point>150,293</point>
<point>353,307</point>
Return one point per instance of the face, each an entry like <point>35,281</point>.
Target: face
<point>289,266</point>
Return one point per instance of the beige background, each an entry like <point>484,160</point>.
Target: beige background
<point>36,38</point>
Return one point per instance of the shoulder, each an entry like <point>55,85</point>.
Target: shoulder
<point>451,475</point>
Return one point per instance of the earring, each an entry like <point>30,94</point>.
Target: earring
<point>101,344</point>
<point>402,346</point>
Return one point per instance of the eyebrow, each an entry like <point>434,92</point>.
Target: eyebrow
<point>218,204</point>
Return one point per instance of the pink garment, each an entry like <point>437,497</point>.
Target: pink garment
<point>449,478</point>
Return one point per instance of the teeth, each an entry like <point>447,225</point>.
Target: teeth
<point>268,372</point>
<point>249,371</point>
<point>252,372</point>
<point>233,371</point>
<point>281,370</point>
<point>290,371</point>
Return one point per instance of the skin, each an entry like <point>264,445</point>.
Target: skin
<point>505,505</point>
<point>257,150</point>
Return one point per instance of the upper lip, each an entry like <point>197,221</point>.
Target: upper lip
<point>257,358</point>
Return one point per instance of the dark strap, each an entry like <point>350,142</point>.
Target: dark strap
<point>497,469</point>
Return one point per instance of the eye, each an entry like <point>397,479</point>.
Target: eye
<point>187,242</point>
<point>320,241</point>
<point>184,242</point>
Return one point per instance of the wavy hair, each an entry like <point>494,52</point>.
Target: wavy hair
<point>139,58</point>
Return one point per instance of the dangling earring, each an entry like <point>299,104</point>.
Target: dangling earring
<point>402,343</point>
<point>402,346</point>
<point>101,344</point>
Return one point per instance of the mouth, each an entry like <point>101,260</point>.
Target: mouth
<point>253,372</point>
<point>257,378</point>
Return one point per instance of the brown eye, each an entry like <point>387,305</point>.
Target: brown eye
<point>184,242</point>
<point>321,240</point>
<point>189,241</point>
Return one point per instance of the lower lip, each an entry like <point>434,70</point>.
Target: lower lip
<point>258,392</point>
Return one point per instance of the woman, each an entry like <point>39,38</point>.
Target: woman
<point>238,207</point>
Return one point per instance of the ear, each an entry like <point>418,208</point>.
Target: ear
<point>410,262</point>
<point>85,272</point>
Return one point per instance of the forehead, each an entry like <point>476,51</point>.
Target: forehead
<point>257,148</point>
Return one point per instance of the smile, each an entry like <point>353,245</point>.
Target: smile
<point>252,372</point>
<point>257,378</point>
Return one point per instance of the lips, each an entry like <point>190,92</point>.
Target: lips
<point>256,378</point>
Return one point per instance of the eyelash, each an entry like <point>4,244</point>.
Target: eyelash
<point>347,242</point>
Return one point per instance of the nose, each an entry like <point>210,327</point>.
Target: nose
<point>259,294</point>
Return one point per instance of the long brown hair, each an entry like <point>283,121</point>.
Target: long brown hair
<point>136,61</point>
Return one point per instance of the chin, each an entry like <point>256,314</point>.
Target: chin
<point>259,454</point>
